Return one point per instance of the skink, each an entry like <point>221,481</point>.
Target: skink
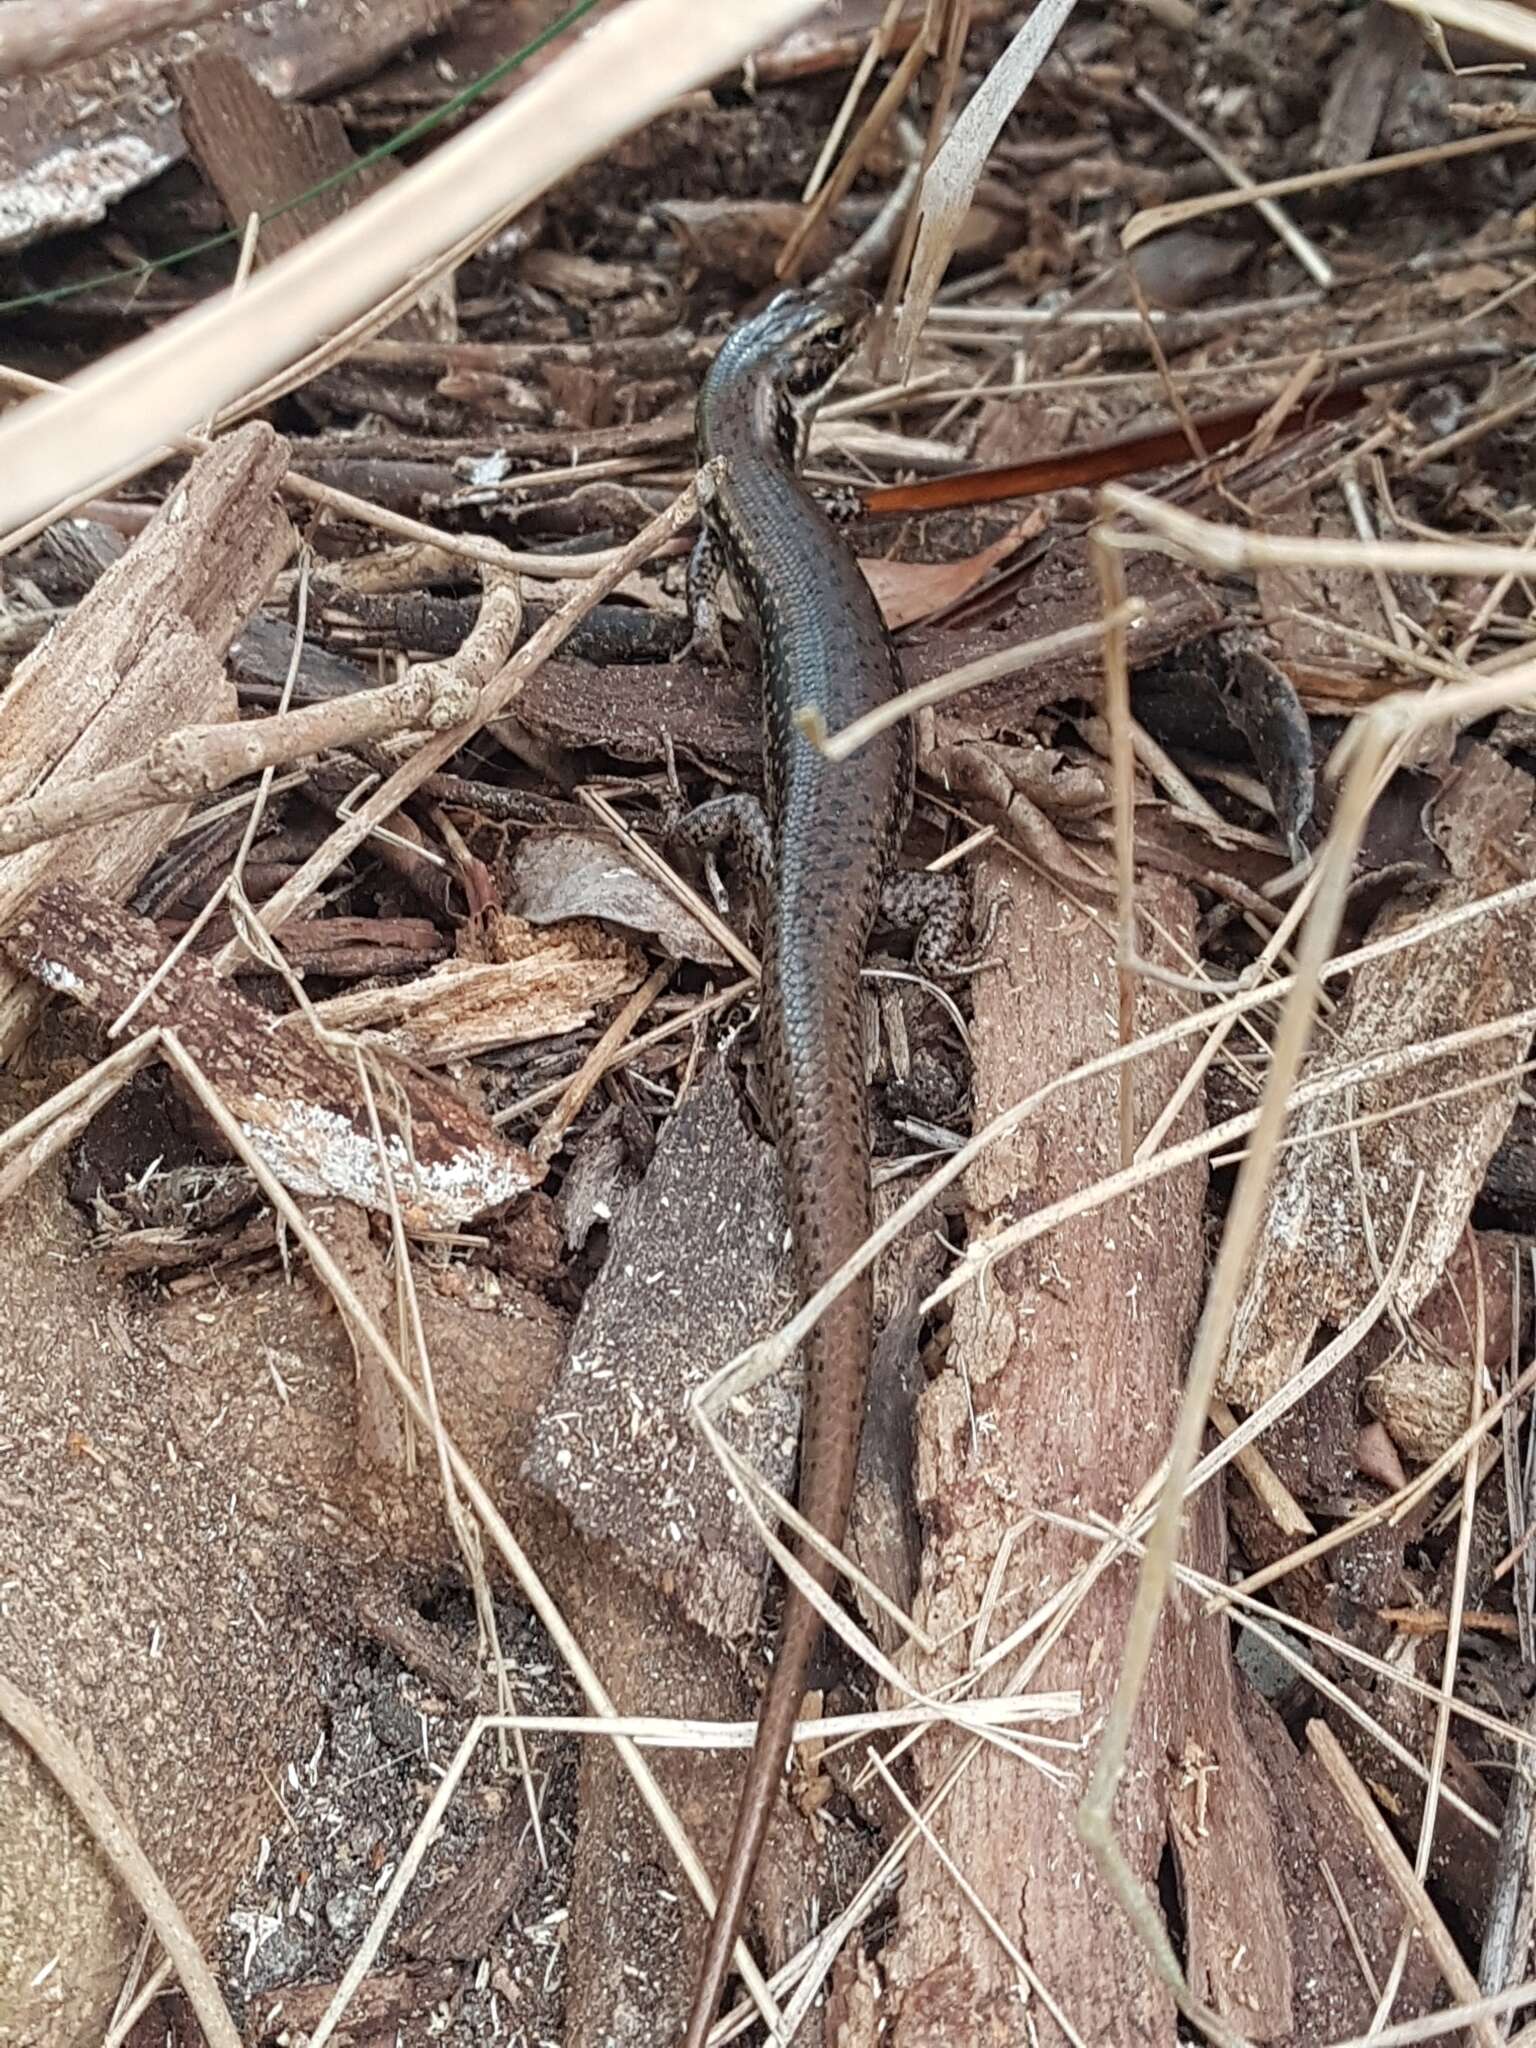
<point>833,834</point>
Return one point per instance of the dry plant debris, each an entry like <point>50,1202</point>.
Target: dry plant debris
<point>382,1165</point>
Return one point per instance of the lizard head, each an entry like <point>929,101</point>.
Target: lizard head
<point>818,336</point>
<point>775,368</point>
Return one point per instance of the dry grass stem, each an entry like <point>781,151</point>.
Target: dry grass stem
<point>645,856</point>
<point>1494,21</point>
<point>951,178</point>
<point>983,1912</point>
<point>1399,1874</point>
<point>1109,573</point>
<point>1274,216</point>
<point>551,1135</point>
<point>124,2024</point>
<point>1155,220</point>
<point>1435,2026</point>
<point>687,1020</point>
<point>1233,551</point>
<point>43,1132</point>
<point>988,668</point>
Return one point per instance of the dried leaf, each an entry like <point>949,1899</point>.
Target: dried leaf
<point>908,592</point>
<point>945,197</point>
<point>557,876</point>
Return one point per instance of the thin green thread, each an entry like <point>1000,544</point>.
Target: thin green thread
<point>139,273</point>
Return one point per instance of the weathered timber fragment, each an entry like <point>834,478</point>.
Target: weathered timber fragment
<point>1326,1872</point>
<point>465,1007</point>
<point>696,1269</point>
<point>1342,1197</point>
<point>77,140</point>
<point>142,654</point>
<point>1068,1365</point>
<point>301,1105</point>
<point>257,153</point>
<point>635,1930</point>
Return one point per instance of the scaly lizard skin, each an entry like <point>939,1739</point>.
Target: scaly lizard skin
<point>833,832</point>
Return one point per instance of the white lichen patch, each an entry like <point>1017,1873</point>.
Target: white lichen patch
<point>70,188</point>
<point>61,979</point>
<point>316,1150</point>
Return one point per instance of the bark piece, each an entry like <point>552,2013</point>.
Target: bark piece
<point>464,1914</point>
<point>1421,1384</point>
<point>301,1106</point>
<point>1314,1265</point>
<point>636,1932</point>
<point>560,875</point>
<point>142,654</point>
<point>1387,55</point>
<point>467,1007</point>
<point>629,710</point>
<point>388,2006</point>
<point>1319,1840</point>
<point>74,142</point>
<point>259,154</point>
<point>1071,1357</point>
<point>696,1269</point>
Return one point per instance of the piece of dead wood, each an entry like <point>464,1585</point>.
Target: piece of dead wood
<point>467,1007</point>
<point>629,710</point>
<point>465,1912</point>
<point>259,155</point>
<point>301,1104</point>
<point>1398,1872</point>
<point>36,38</point>
<point>1512,1895</point>
<point>142,653</point>
<point>1340,1193</point>
<point>74,142</point>
<point>196,760</point>
<point>635,1934</point>
<point>696,1270</point>
<point>388,2006</point>
<point>1387,56</point>
<point>1344,1921</point>
<point>1062,1396</point>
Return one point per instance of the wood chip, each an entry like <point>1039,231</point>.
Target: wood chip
<point>141,655</point>
<point>696,1269</point>
<point>301,1105</point>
